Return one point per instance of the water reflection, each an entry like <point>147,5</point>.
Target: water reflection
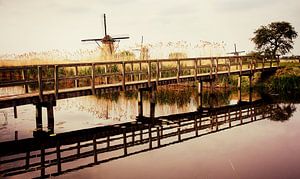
<point>66,152</point>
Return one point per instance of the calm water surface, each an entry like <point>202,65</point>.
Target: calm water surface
<point>260,149</point>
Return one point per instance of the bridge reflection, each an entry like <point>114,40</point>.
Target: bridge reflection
<point>56,154</point>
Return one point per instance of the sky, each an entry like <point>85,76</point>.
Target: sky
<point>42,25</point>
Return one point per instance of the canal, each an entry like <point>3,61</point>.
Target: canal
<point>225,138</point>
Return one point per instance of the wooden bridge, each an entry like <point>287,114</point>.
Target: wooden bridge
<point>46,83</point>
<point>46,156</point>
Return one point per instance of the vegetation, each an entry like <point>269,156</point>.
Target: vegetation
<point>275,38</point>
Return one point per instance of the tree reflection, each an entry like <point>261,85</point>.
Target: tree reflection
<point>282,112</point>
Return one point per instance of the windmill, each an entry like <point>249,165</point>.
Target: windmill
<point>236,53</point>
<point>107,40</point>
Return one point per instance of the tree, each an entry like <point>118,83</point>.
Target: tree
<point>275,38</point>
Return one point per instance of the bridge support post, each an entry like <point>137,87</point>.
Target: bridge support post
<point>152,103</point>
<point>50,117</point>
<point>38,117</point>
<point>240,95</point>
<point>140,103</point>
<point>93,79</point>
<point>250,82</point>
<point>200,87</point>
<point>239,82</point>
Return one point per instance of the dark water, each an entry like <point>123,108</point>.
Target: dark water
<point>263,144</point>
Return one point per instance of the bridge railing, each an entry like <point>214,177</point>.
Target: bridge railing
<point>56,77</point>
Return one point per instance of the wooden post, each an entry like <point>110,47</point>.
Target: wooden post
<point>132,72</point>
<point>15,112</point>
<point>271,62</point>
<point>239,82</point>
<point>158,136</point>
<point>124,139</point>
<point>27,160</point>
<point>217,68</point>
<point>200,87</point>
<point>123,76</point>
<point>140,103</point>
<point>229,118</point>
<point>263,64</point>
<point>58,156</point>
<point>250,82</point>
<point>38,118</point>
<point>178,70</point>
<point>78,149</point>
<point>195,68</point>
<point>95,149</point>
<point>105,72</point>
<point>93,79</point>
<point>240,94</point>
<point>56,81</point>
<point>278,60</point>
<point>50,117</point>
<point>196,126</point>
<point>160,67</point>
<point>200,101</point>
<point>149,73</point>
<point>152,104</point>
<point>42,161</point>
<point>16,135</point>
<point>40,83</point>
<point>25,77</point>
<point>76,76</point>
<point>178,131</point>
<point>241,65</point>
<point>150,137</point>
<point>229,67</point>
<point>157,73</point>
<point>140,71</point>
<point>211,68</point>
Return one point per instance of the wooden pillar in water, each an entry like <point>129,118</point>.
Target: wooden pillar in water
<point>140,103</point>
<point>152,103</point>
<point>140,71</point>
<point>150,137</point>
<point>200,90</point>
<point>38,118</point>
<point>240,94</point>
<point>50,117</point>
<point>158,136</point>
<point>179,131</point>
<point>239,82</point>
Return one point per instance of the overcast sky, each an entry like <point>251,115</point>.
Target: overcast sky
<point>41,25</point>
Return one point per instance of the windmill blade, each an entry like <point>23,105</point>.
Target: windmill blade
<point>118,38</point>
<point>88,40</point>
